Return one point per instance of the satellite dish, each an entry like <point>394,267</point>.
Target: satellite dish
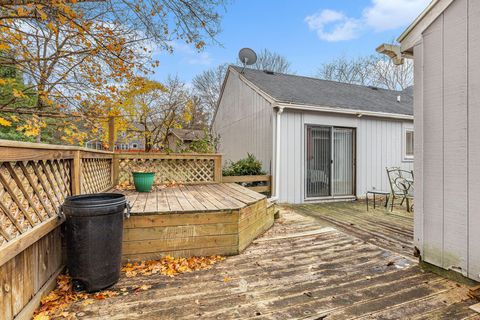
<point>247,56</point>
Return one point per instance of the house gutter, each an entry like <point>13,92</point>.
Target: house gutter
<point>277,155</point>
<point>358,113</point>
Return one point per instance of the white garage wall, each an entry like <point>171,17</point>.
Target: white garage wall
<point>447,111</point>
<point>379,145</point>
<point>244,122</point>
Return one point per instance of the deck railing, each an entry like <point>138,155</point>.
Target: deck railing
<point>35,179</point>
<point>261,183</point>
<point>179,168</point>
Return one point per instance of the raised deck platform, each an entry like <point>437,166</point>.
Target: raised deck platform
<point>194,220</point>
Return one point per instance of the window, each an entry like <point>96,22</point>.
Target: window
<point>408,144</point>
<point>134,146</point>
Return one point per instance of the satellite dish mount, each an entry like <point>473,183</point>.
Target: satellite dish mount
<point>247,56</point>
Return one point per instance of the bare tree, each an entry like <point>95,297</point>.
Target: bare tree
<point>208,84</point>
<point>272,61</point>
<point>391,76</point>
<point>154,109</point>
<point>375,70</point>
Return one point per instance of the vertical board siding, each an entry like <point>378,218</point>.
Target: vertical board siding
<point>291,157</point>
<point>455,137</point>
<point>449,178</point>
<point>473,139</point>
<point>418,125</point>
<point>433,143</point>
<point>244,122</point>
<point>24,275</point>
<point>379,145</point>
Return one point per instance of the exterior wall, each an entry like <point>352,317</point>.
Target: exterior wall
<point>447,112</point>
<point>379,144</point>
<point>244,122</point>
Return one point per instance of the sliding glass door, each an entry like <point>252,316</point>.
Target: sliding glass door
<point>330,159</point>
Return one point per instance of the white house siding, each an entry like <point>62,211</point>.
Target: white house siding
<point>244,123</point>
<point>447,110</point>
<point>379,145</point>
<point>419,161</point>
<point>473,141</point>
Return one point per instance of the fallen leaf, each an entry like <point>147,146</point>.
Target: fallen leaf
<point>145,287</point>
<point>87,302</point>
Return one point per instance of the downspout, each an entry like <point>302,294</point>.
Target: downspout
<point>277,156</point>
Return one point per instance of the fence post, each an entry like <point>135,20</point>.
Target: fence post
<point>218,168</point>
<point>76,172</point>
<point>115,169</point>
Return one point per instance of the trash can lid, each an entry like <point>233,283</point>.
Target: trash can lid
<point>95,200</point>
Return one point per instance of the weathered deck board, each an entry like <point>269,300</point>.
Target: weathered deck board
<point>299,269</point>
<point>393,231</point>
<point>192,198</point>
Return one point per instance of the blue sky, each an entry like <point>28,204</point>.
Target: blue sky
<point>307,32</point>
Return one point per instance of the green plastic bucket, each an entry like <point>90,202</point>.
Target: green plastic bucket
<point>143,181</point>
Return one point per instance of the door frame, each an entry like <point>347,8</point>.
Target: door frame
<point>354,164</point>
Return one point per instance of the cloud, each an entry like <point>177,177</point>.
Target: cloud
<point>380,15</point>
<point>332,25</point>
<point>385,15</point>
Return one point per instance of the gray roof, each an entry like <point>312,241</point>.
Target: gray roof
<point>316,92</point>
<point>188,134</point>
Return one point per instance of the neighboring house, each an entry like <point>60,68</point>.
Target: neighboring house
<point>319,139</point>
<point>445,43</point>
<point>180,139</point>
<point>130,141</point>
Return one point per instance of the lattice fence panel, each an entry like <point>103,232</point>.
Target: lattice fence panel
<point>30,193</point>
<point>96,175</point>
<point>196,170</point>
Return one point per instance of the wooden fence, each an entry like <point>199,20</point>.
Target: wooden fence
<point>180,168</point>
<point>264,180</point>
<point>35,179</point>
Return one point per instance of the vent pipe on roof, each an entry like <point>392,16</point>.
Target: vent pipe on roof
<point>399,98</point>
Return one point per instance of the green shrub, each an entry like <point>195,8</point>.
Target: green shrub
<point>248,166</point>
<point>207,144</point>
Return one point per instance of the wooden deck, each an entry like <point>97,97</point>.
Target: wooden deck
<point>192,198</point>
<point>299,269</point>
<point>389,230</point>
<point>194,220</point>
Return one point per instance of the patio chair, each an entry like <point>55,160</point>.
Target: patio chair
<point>401,186</point>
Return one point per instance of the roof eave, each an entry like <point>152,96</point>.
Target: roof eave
<point>358,113</point>
<point>413,34</point>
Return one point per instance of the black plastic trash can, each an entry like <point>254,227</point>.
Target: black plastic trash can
<point>94,232</point>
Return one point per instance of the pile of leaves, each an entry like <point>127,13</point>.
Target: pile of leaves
<point>127,185</point>
<point>170,266</point>
<point>56,302</point>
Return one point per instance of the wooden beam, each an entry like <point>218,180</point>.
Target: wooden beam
<point>17,245</point>
<point>76,171</point>
<point>157,155</point>
<point>218,168</point>
<point>237,179</point>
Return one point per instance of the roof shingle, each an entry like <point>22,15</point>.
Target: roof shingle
<point>288,88</point>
